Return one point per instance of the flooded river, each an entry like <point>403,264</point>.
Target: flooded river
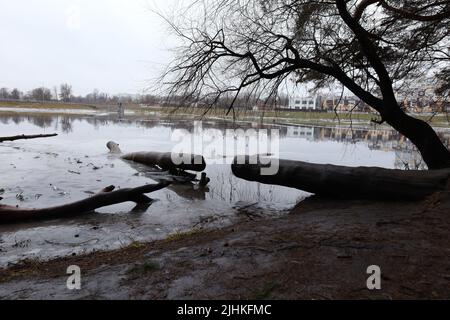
<point>76,163</point>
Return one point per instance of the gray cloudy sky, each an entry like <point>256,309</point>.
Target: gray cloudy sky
<point>115,46</point>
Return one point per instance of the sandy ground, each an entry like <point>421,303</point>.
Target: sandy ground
<point>319,251</point>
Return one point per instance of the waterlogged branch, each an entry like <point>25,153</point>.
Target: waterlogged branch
<point>106,197</point>
<point>27,137</point>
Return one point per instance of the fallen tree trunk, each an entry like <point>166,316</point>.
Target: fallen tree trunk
<point>347,182</point>
<point>26,137</point>
<point>106,197</point>
<point>164,160</point>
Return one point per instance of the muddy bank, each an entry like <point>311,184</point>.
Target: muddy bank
<point>319,251</point>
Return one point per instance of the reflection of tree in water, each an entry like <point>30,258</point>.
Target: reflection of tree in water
<point>409,159</point>
<point>66,124</point>
<point>4,120</point>
<point>97,122</point>
<point>17,119</point>
<point>42,121</point>
<point>383,139</point>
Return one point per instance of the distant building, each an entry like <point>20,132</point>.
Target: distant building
<point>328,104</point>
<point>304,103</point>
<point>420,97</point>
<point>344,104</point>
<point>348,104</point>
<point>300,132</point>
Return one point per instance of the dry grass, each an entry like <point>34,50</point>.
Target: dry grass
<point>183,235</point>
<point>44,105</point>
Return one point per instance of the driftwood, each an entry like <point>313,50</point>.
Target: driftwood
<point>106,197</point>
<point>26,137</point>
<point>348,182</point>
<point>190,162</point>
<point>164,160</point>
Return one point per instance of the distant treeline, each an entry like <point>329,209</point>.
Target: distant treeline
<point>64,93</point>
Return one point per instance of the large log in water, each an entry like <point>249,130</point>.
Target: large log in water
<point>347,182</point>
<point>107,197</point>
<point>165,160</point>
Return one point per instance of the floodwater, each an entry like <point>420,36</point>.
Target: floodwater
<point>73,165</point>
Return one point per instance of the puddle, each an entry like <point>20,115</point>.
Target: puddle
<point>73,165</point>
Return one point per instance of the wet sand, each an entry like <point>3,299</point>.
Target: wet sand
<point>321,250</point>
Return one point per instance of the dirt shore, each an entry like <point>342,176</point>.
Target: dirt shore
<point>321,250</point>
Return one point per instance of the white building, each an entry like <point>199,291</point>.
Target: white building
<point>304,103</point>
<point>300,132</point>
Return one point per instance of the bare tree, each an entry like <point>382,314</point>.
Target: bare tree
<point>372,47</point>
<point>65,92</point>
<point>16,94</point>
<point>4,93</point>
<point>41,94</point>
<point>55,93</point>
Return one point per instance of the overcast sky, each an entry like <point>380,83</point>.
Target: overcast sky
<point>115,46</point>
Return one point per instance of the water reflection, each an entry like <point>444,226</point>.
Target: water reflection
<point>375,138</point>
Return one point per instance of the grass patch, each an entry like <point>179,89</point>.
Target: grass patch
<point>183,235</point>
<point>134,245</point>
<point>44,105</point>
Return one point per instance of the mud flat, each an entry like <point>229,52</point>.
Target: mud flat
<point>321,250</point>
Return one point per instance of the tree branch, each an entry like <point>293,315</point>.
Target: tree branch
<point>369,50</point>
<point>106,197</point>
<point>361,7</point>
<point>25,137</point>
<point>444,14</point>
